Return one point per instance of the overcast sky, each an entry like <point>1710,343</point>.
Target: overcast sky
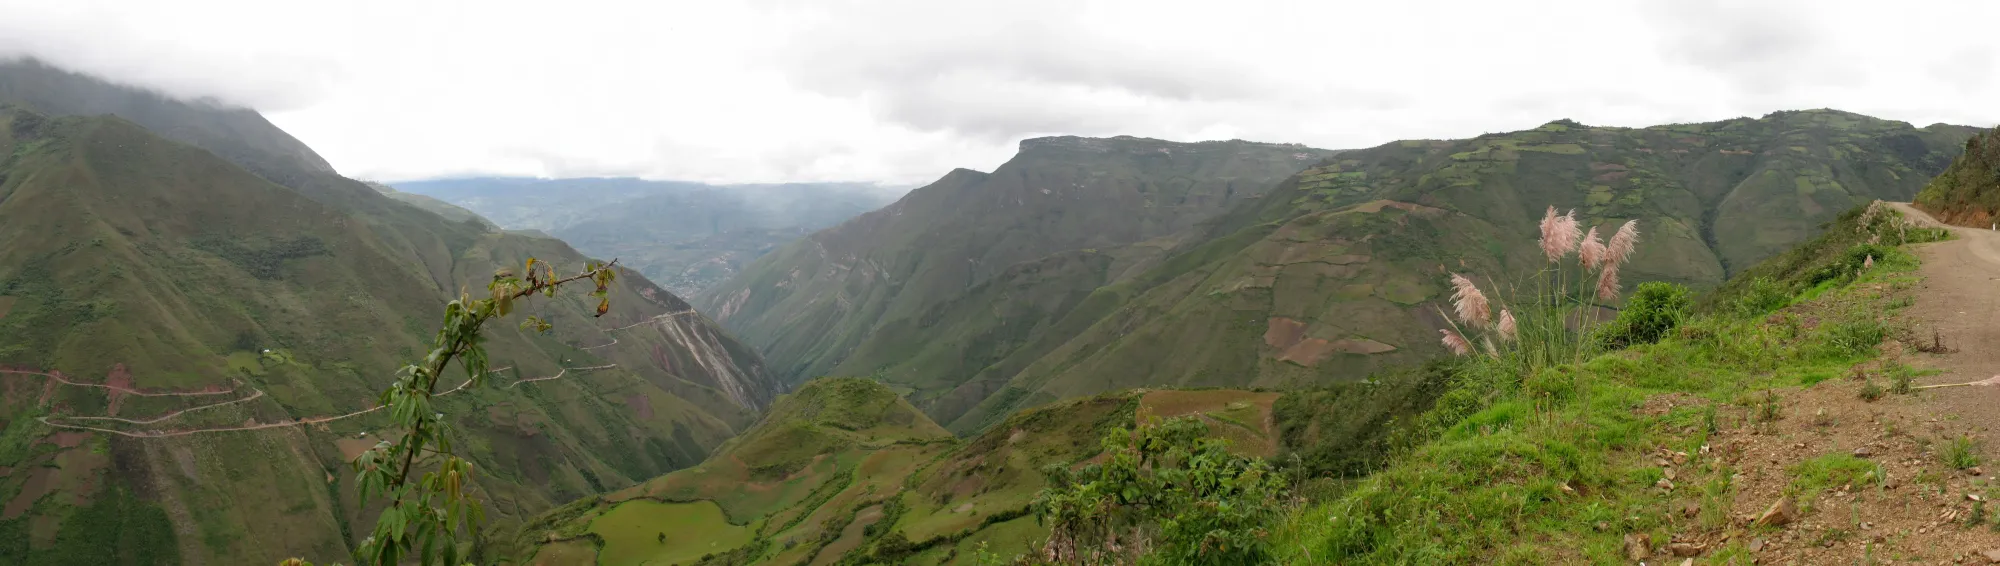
<point>903,91</point>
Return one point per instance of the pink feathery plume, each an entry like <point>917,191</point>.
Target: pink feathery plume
<point>1607,283</point>
<point>1471,304</point>
<point>1455,343</point>
<point>1622,243</point>
<point>1560,234</point>
<point>1592,249</point>
<point>1506,325</point>
<point>1551,226</point>
<point>1490,350</point>
<point>1869,262</point>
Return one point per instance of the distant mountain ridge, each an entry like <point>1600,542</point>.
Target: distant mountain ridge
<point>1334,273</point>
<point>686,235</point>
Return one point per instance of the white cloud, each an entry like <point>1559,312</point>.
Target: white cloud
<point>905,90</point>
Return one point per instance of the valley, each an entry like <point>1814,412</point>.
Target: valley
<point>687,236</point>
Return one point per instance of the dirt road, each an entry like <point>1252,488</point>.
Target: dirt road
<point>1959,302</point>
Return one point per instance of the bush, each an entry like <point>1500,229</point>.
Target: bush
<point>1762,296</point>
<point>1166,482</point>
<point>1655,308</point>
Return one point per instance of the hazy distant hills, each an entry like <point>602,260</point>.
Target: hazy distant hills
<point>687,236</point>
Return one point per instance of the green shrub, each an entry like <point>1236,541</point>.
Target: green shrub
<point>1762,296</point>
<point>1655,308</point>
<point>1870,391</point>
<point>1185,491</point>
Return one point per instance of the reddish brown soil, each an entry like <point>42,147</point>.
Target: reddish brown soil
<point>640,405</point>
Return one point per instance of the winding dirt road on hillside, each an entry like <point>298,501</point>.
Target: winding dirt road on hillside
<point>255,394</point>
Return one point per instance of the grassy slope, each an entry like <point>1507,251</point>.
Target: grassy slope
<point>844,454</point>
<point>1559,467</point>
<point>1968,193</point>
<point>132,255</point>
<point>1358,248</point>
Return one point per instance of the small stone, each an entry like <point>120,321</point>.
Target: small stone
<point>1638,546</point>
<point>1779,513</point>
<point>1684,549</point>
<point>1603,526</point>
<point>1687,562</point>
<point>1690,509</point>
<point>1975,471</point>
<point>1992,555</point>
<point>1668,472</point>
<point>1974,497</point>
<point>1755,545</point>
<point>1665,484</point>
<point>1863,452</point>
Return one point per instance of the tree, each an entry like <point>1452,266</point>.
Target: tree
<point>426,515</point>
<point>1165,491</point>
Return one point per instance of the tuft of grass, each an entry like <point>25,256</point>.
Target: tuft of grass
<point>1870,391</point>
<point>1961,453</point>
<point>1768,409</point>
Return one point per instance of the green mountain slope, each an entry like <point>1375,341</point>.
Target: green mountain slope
<point>1968,193</point>
<point>1339,271</point>
<point>686,236</point>
<point>810,304</point>
<point>845,468</point>
<point>181,335</point>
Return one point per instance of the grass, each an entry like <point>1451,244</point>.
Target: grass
<point>1827,471</point>
<point>1491,483</point>
<point>632,533</point>
<point>1961,453</point>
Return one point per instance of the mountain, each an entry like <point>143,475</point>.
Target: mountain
<point>441,208</point>
<point>688,236</point>
<point>810,304</point>
<point>1968,192</point>
<point>239,135</point>
<point>1337,272</point>
<point>845,468</point>
<point>193,317</point>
